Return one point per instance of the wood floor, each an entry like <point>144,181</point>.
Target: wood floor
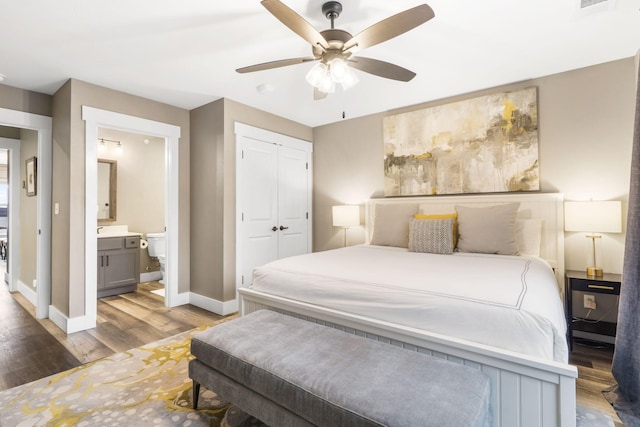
<point>31,349</point>
<point>594,375</point>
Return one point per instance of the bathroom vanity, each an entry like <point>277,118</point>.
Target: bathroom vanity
<point>118,263</point>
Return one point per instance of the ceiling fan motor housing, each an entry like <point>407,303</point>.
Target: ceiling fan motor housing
<point>336,39</point>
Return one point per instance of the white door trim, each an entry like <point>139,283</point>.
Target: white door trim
<point>13,228</point>
<point>42,125</point>
<point>95,118</point>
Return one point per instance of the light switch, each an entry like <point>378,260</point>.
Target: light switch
<point>56,208</point>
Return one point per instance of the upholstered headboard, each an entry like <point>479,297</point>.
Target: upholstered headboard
<point>545,206</point>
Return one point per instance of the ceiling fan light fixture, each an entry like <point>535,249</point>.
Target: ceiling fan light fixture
<point>350,79</point>
<point>339,69</point>
<point>316,73</point>
<point>327,84</point>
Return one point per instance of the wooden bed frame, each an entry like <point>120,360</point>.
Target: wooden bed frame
<point>526,391</point>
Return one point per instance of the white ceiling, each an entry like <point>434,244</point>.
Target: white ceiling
<point>185,53</point>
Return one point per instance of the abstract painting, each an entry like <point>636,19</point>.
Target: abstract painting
<point>487,144</point>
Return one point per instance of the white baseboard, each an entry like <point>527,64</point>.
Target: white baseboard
<point>77,324</point>
<point>181,299</point>
<point>29,293</point>
<point>222,308</point>
<point>69,326</point>
<point>151,276</point>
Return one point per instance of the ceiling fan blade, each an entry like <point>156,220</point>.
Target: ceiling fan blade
<point>318,94</point>
<point>389,28</point>
<point>381,69</point>
<point>295,22</point>
<point>274,64</point>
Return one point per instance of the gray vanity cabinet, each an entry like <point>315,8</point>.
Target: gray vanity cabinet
<point>118,265</point>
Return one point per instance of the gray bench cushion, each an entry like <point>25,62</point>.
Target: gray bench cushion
<point>330,377</point>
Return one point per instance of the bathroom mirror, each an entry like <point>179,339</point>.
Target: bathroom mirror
<point>107,189</point>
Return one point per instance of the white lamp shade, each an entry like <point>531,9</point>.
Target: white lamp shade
<point>593,216</point>
<point>346,216</point>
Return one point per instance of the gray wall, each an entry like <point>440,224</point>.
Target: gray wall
<point>213,246</point>
<point>26,101</point>
<point>585,132</point>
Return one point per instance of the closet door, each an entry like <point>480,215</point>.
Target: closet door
<point>258,196</point>
<point>273,199</point>
<point>293,202</point>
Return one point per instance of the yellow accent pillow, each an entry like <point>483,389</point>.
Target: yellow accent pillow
<point>453,215</point>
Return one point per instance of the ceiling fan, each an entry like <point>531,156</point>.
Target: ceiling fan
<point>333,48</point>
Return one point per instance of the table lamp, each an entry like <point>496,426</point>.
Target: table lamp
<point>346,216</point>
<point>593,217</point>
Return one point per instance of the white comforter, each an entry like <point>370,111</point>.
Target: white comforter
<point>508,302</point>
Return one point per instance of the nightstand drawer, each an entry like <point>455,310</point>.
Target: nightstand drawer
<point>598,286</point>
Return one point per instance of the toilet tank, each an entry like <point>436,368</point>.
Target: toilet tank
<point>156,244</point>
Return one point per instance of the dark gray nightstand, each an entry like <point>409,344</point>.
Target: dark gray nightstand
<point>599,323</point>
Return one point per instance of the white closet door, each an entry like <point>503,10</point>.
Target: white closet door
<point>273,198</point>
<point>293,202</point>
<point>259,201</point>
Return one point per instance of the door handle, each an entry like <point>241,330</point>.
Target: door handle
<point>283,228</point>
<point>274,228</point>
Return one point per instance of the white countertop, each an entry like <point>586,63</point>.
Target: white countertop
<point>115,231</point>
<point>117,234</point>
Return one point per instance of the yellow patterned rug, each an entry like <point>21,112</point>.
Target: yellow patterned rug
<point>146,386</point>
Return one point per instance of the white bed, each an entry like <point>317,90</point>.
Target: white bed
<point>502,314</point>
<point>508,302</point>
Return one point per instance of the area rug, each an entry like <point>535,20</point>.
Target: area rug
<point>146,386</point>
<point>588,417</point>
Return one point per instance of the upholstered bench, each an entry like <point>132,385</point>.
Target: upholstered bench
<point>290,372</point>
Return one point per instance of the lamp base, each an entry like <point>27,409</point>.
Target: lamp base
<point>594,271</point>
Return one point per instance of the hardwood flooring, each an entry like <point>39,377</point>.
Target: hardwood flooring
<point>32,349</point>
<point>594,376</point>
<point>27,351</point>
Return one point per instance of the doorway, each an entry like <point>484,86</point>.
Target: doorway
<point>10,215</point>
<point>95,119</point>
<point>42,126</point>
<point>131,195</point>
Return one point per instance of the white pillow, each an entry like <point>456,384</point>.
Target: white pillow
<point>529,236</point>
<point>488,230</point>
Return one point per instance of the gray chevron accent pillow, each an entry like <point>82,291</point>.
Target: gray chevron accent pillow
<point>434,236</point>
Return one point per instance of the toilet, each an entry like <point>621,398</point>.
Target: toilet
<point>157,248</point>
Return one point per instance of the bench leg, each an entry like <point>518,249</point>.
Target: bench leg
<point>196,393</point>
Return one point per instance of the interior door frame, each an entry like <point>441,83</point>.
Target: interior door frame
<point>268,137</point>
<point>13,227</point>
<point>96,118</point>
<point>43,126</point>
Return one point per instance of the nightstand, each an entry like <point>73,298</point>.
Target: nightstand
<point>591,306</point>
